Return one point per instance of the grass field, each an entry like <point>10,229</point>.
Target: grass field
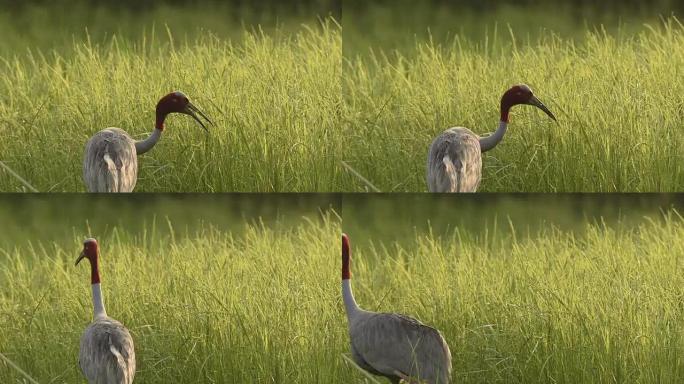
<point>207,300</point>
<point>290,106</point>
<point>274,96</point>
<point>261,302</point>
<point>599,305</point>
<point>614,92</point>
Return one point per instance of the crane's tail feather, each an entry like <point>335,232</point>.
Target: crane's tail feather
<point>112,175</point>
<point>122,365</point>
<point>110,162</point>
<point>452,173</point>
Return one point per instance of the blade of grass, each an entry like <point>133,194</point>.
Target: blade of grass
<point>358,175</point>
<point>368,375</point>
<point>11,364</point>
<point>16,175</point>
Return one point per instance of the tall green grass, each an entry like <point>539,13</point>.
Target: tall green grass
<point>274,99</point>
<point>599,304</point>
<point>616,100</point>
<point>549,308</point>
<point>212,306</point>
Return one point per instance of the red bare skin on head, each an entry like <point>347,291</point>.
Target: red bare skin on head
<point>346,273</point>
<point>517,94</point>
<point>92,253</point>
<point>173,102</point>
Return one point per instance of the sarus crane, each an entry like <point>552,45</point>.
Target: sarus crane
<point>106,354</point>
<point>110,163</point>
<point>454,162</point>
<point>395,346</point>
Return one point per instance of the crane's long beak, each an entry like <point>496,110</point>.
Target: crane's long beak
<point>80,257</point>
<point>193,112</point>
<point>534,101</point>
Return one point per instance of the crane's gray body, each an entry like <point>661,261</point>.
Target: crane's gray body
<point>454,162</point>
<point>395,346</point>
<point>110,163</point>
<point>386,344</point>
<point>106,354</point>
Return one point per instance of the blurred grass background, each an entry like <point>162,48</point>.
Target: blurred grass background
<point>387,26</point>
<point>495,218</point>
<point>62,220</point>
<point>56,25</point>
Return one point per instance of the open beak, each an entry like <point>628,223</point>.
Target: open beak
<point>80,257</point>
<point>534,101</point>
<point>194,112</point>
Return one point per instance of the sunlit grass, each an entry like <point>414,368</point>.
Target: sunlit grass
<point>211,306</point>
<point>274,99</point>
<point>615,99</point>
<point>596,304</point>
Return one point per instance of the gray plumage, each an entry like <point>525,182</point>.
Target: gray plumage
<point>395,346</point>
<point>454,162</point>
<point>106,354</point>
<point>110,163</point>
<point>399,347</point>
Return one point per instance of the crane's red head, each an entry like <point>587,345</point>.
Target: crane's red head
<point>346,258</point>
<point>177,102</point>
<point>520,94</point>
<point>91,252</point>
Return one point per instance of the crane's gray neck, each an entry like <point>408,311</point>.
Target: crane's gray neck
<point>350,305</point>
<point>143,146</point>
<point>98,305</point>
<point>489,142</point>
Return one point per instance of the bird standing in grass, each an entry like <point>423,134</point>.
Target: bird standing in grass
<point>106,355</point>
<point>111,155</point>
<point>454,162</point>
<point>395,346</point>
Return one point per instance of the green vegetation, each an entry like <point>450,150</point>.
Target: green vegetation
<point>398,218</point>
<point>530,288</point>
<point>204,303</point>
<point>56,25</point>
<point>261,302</point>
<point>289,117</point>
<point>398,25</point>
<point>274,95</point>
<point>59,218</point>
<point>597,305</point>
<point>612,88</point>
